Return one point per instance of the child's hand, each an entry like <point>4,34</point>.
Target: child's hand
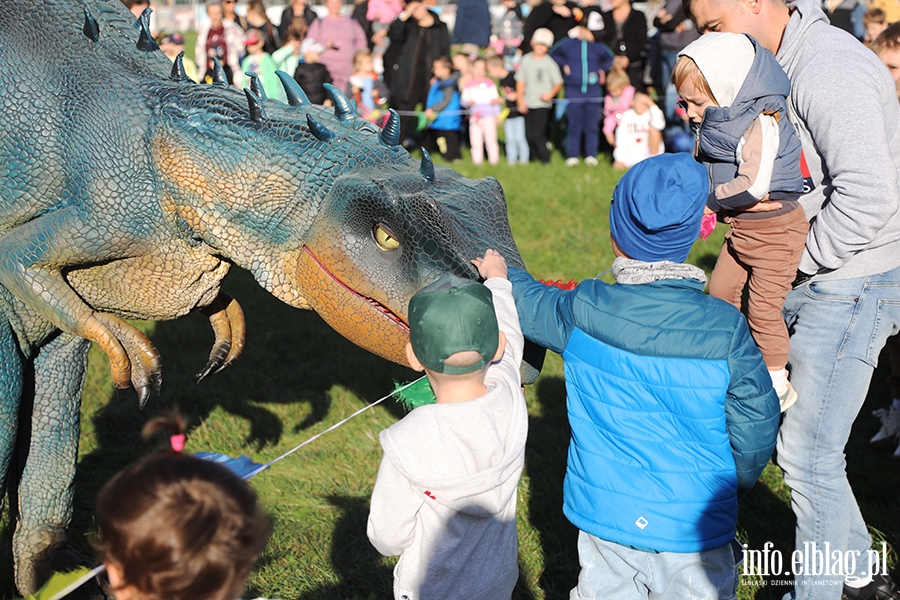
<point>547,97</point>
<point>492,265</point>
<point>523,108</point>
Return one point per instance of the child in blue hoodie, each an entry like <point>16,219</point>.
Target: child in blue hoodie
<point>735,94</point>
<point>584,64</point>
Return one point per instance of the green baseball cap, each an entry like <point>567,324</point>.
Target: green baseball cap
<point>453,315</point>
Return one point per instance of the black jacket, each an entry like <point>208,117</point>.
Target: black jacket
<point>412,52</point>
<point>312,77</point>
<point>543,15</point>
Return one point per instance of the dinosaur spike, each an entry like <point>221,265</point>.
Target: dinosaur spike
<point>256,110</point>
<point>320,131</point>
<point>218,75</point>
<point>91,28</point>
<point>256,86</point>
<point>295,94</point>
<point>343,110</point>
<point>426,169</point>
<point>146,41</point>
<point>390,134</point>
<point>178,73</point>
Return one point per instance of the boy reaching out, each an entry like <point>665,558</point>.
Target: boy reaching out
<point>445,496</point>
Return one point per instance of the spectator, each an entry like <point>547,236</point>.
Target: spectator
<point>259,62</point>
<point>875,22</point>
<point>675,32</point>
<point>311,74</point>
<point>840,13</point>
<point>190,528</point>
<point>367,88</point>
<point>538,81</point>
<point>508,31</point>
<point>584,65</point>
<point>481,98</point>
<point>639,132</point>
<point>846,298</point>
<point>290,54</point>
<point>341,37</point>
<point>220,39</point>
<point>619,93</point>
<point>418,38</point>
<point>558,16</point>
<point>230,14</point>
<point>137,7</point>
<point>625,32</point>
<point>472,31</point>
<point>444,112</point>
<point>172,44</point>
<point>257,19</point>
<point>514,124</point>
<point>297,8</point>
<point>360,9</point>
<point>381,13</point>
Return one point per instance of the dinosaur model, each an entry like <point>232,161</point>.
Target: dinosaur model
<point>128,191</point>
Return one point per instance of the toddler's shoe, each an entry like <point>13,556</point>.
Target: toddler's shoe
<point>590,161</point>
<point>571,162</point>
<point>889,434</point>
<point>787,398</point>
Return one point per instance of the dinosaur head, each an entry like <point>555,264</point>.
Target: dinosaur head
<point>325,209</point>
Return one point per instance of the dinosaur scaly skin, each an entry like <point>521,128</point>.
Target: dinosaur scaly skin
<point>128,192</point>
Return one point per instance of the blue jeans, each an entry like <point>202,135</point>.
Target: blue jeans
<point>838,329</point>
<point>516,142</point>
<point>609,570</point>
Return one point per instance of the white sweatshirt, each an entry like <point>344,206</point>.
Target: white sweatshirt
<point>445,496</point>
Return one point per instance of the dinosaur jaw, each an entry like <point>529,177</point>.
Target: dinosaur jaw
<point>362,320</point>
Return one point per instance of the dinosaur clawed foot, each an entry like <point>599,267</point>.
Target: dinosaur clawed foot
<point>227,320</point>
<point>133,358</point>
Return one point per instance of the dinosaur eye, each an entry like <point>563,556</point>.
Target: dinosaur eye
<point>385,239</point>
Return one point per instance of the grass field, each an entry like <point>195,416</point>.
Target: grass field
<point>297,377</point>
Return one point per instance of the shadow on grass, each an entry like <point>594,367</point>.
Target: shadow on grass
<point>291,357</point>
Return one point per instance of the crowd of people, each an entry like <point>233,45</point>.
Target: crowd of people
<point>676,400</point>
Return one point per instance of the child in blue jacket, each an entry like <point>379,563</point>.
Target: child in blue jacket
<point>584,64</point>
<point>671,409</point>
<point>443,111</point>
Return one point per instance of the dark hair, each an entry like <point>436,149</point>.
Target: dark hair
<point>887,40</point>
<point>179,527</point>
<point>445,62</point>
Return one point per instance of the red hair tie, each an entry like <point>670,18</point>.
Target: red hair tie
<point>177,442</point>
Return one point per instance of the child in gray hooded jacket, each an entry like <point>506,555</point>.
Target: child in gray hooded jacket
<point>735,94</point>
<point>445,496</point>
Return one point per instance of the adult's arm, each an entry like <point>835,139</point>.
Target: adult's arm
<point>864,190</point>
<point>635,34</point>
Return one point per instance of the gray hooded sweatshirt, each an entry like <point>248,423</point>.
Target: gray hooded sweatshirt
<point>843,104</point>
<point>445,497</point>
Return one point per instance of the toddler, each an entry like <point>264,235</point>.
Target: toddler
<point>514,123</point>
<point>445,496</point>
<point>639,132</point>
<point>735,94</point>
<point>260,63</point>
<point>480,96</point>
<point>619,93</point>
<point>443,111</point>
<point>178,527</point>
<point>311,74</point>
<point>367,88</point>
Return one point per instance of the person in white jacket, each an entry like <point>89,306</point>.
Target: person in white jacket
<point>445,496</point>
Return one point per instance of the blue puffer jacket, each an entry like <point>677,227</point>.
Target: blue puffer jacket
<point>449,117</point>
<point>671,408</point>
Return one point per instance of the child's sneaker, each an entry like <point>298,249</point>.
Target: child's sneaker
<point>890,428</point>
<point>590,161</point>
<point>787,398</point>
<point>571,162</point>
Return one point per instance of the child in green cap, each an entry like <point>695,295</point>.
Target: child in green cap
<point>445,496</point>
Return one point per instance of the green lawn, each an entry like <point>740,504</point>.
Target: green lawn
<point>297,377</point>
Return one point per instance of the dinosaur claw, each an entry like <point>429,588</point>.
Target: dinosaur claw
<point>156,381</point>
<point>143,396</point>
<point>209,369</point>
<point>227,320</point>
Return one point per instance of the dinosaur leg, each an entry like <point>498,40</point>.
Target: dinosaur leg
<point>47,483</point>
<point>10,395</point>
<point>227,320</point>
